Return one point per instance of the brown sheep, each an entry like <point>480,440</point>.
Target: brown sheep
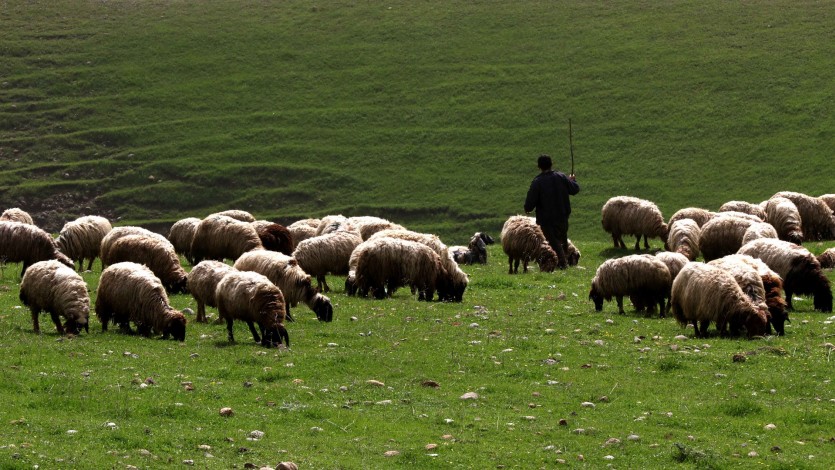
<point>252,298</point>
<point>81,239</point>
<point>157,255</point>
<point>722,236</point>
<point>58,289</point>
<point>645,278</point>
<point>523,241</point>
<point>827,259</point>
<point>28,244</point>
<point>181,235</point>
<point>275,237</point>
<point>697,214</point>
<point>817,219</point>
<point>202,284</point>
<point>626,215</point>
<point>220,237</point>
<point>744,207</point>
<point>384,264</point>
<point>684,238</point>
<point>782,213</point>
<point>326,254</point>
<point>303,229</point>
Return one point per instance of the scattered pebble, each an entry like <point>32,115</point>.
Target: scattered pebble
<point>599,342</point>
<point>316,429</point>
<point>447,437</point>
<point>770,426</point>
<point>384,402</point>
<point>110,425</point>
<point>753,454</point>
<point>226,411</point>
<point>287,466</point>
<point>608,457</point>
<point>375,383</point>
<point>431,446</point>
<point>529,418</point>
<point>188,462</point>
<point>470,396</point>
<point>354,318</point>
<point>681,337</point>
<point>609,321</point>
<point>256,434</point>
<point>612,441</point>
<point>587,404</point>
<point>204,447</point>
<point>633,437</point>
<point>473,325</point>
<point>392,453</point>
<point>333,345</point>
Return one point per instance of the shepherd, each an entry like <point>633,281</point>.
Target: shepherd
<point>549,195</point>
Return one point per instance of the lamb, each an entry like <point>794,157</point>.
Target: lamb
<point>697,214</point>
<point>326,254</point>
<point>220,237</point>
<point>829,200</point>
<point>153,253</point>
<point>572,253</point>
<point>385,263</point>
<point>26,243</point>
<point>722,236</point>
<point>303,229</point>
<point>330,223</point>
<point>645,278</point>
<point>368,225</point>
<point>58,289</point>
<point>236,214</point>
<point>684,238</point>
<point>202,284</point>
<point>759,230</point>
<point>81,239</point>
<point>743,207</point>
<point>16,214</point>
<point>251,297</point>
<point>523,241</point>
<point>130,292</point>
<point>817,219</point>
<point>274,237</point>
<point>625,215</point>
<point>284,272</point>
<point>800,270</point>
<point>181,234</point>
<point>781,213</point>
<point>474,252</point>
<point>827,259</point>
<point>453,281</point>
<point>702,294</point>
<point>760,283</point>
<point>118,232</point>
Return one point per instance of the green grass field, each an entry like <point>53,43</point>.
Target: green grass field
<point>431,114</point>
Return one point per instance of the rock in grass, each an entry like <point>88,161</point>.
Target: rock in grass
<point>375,383</point>
<point>470,396</point>
<point>392,453</point>
<point>226,411</point>
<point>287,466</point>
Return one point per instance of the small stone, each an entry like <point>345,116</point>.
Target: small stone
<point>681,337</point>
<point>587,404</point>
<point>529,418</point>
<point>580,457</point>
<point>392,453</point>
<point>609,321</point>
<point>633,437</point>
<point>561,461</point>
<point>603,399</point>
<point>187,311</point>
<point>599,342</point>
<point>226,411</point>
<point>354,318</point>
<point>145,452</point>
<point>110,425</point>
<point>447,437</point>
<point>772,391</point>
<point>770,427</point>
<point>72,431</point>
<point>753,454</point>
<point>431,446</point>
<point>204,447</point>
<point>256,434</point>
<point>739,358</point>
<point>563,422</point>
<point>375,383</point>
<point>608,457</point>
<point>333,345</point>
<point>430,383</point>
<point>612,441</point>
<point>470,396</point>
<point>316,429</point>
<point>188,462</point>
<point>384,402</point>
<point>287,466</point>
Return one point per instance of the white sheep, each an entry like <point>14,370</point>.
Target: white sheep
<point>829,200</point>
<point>26,243</point>
<point>236,214</point>
<point>81,239</point>
<point>827,258</point>
<point>384,264</point>
<point>782,213</point>
<point>722,236</point>
<point>16,214</point>
<point>800,270</point>
<point>474,252</point>
<point>759,230</point>
<point>220,237</point>
<point>202,284</point>
<point>130,292</point>
<point>330,223</point>
<point>326,254</point>
<point>644,278</point>
<point>303,229</point>
<point>285,272</point>
<point>181,235</point>
<point>252,298</point>
<point>118,232</point>
<point>58,289</point>
<point>702,294</point>
<point>523,241</point>
<point>697,214</point>
<point>369,225</point>
<point>626,215</point>
<point>684,238</point>
<point>157,255</point>
<point>817,219</point>
<point>743,207</point>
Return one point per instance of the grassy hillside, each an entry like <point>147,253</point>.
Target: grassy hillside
<point>429,113</point>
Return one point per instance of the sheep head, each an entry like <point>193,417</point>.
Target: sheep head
<point>596,297</point>
<point>823,298</point>
<point>174,326</point>
<point>323,308</point>
<point>756,321</point>
<point>547,258</point>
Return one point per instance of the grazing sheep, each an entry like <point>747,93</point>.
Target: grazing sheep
<point>130,292</point>
<point>274,237</point>
<point>767,287</point>
<point>368,225</point>
<point>783,215</point>
<point>303,229</point>
<point>236,214</point>
<point>645,278</point>
<point>284,272</point>
<point>252,298</point>
<point>816,217</point>
<point>722,236</point>
<point>17,215</point>
<point>26,243</point>
<point>453,290</point>
<point>202,284</point>
<point>739,215</point>
<point>157,255</point>
<point>827,259</point>
<point>800,270</point>
<point>326,254</point>
<point>759,230</point>
<point>220,237</point>
<point>697,214</point>
<point>119,232</point>
<point>674,261</point>
<point>81,239</point>
<point>572,253</point>
<point>523,241</point>
<point>181,235</point>
<point>829,200</point>
<point>743,207</point>
<point>684,238</point>
<point>58,289</point>
<point>330,223</point>
<point>385,263</point>
<point>625,215</point>
<point>702,294</point>
<point>474,252</point>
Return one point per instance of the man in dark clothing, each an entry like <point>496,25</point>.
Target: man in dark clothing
<point>549,193</point>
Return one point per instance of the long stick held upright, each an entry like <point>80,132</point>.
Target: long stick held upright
<point>571,145</point>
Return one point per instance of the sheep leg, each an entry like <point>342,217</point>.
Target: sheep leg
<point>57,321</point>
<point>36,324</point>
<point>282,333</point>
<point>201,312</point>
<point>287,313</point>
<point>255,335</point>
<point>90,264</point>
<point>525,266</point>
<point>229,330</point>
<point>620,304</point>
<point>615,240</point>
<point>638,243</point>
<point>661,303</point>
<point>325,285</point>
<point>789,293</point>
<point>646,242</point>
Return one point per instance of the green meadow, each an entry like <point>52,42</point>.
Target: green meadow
<point>429,113</point>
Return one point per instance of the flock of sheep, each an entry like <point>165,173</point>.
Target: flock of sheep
<point>272,269</point>
<point>751,252</point>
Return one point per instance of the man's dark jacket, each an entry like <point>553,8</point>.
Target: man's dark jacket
<point>549,193</point>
